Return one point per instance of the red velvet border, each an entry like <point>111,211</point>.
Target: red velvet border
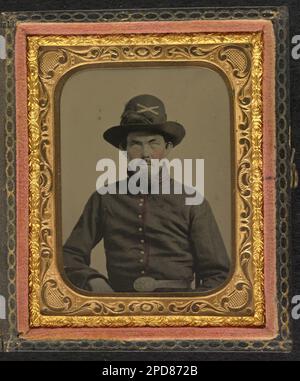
<point>269,173</point>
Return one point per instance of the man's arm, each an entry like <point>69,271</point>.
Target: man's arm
<point>77,250</point>
<point>212,263</point>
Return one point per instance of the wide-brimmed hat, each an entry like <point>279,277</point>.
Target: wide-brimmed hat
<point>144,113</point>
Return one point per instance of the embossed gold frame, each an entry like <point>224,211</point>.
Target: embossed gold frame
<point>238,57</point>
<point>18,334</point>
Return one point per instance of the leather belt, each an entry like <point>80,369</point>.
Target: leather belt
<point>147,284</point>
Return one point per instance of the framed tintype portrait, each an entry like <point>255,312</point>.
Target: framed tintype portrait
<point>108,249</point>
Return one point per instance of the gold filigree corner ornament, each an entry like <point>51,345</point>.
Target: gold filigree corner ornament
<point>238,58</point>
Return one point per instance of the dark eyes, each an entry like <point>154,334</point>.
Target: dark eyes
<point>152,144</point>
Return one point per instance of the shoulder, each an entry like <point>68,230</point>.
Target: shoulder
<point>94,200</point>
<point>111,188</point>
<point>192,197</point>
<point>202,211</point>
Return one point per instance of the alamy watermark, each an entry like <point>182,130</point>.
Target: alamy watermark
<point>296,307</point>
<point>295,52</point>
<point>152,176</point>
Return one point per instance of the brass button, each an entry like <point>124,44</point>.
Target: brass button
<point>141,200</point>
<point>142,272</point>
<point>142,241</point>
<point>141,204</point>
<point>140,216</point>
<point>141,260</point>
<point>142,252</point>
<point>140,229</point>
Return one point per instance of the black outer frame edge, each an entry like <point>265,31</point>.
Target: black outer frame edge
<point>110,345</point>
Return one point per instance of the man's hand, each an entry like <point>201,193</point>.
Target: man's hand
<point>100,285</point>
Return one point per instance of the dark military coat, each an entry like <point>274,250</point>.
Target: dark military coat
<point>156,236</point>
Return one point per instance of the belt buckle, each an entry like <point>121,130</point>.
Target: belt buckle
<point>144,283</point>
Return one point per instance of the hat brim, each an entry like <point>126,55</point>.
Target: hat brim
<point>117,134</point>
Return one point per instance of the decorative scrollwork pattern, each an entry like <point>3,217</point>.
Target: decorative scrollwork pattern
<point>241,301</point>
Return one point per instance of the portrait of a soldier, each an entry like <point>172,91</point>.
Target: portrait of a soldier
<point>152,242</point>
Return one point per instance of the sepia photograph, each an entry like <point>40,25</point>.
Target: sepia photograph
<point>147,169</point>
<point>147,190</point>
<point>143,239</point>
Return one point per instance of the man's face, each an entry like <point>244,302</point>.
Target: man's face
<point>142,145</point>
